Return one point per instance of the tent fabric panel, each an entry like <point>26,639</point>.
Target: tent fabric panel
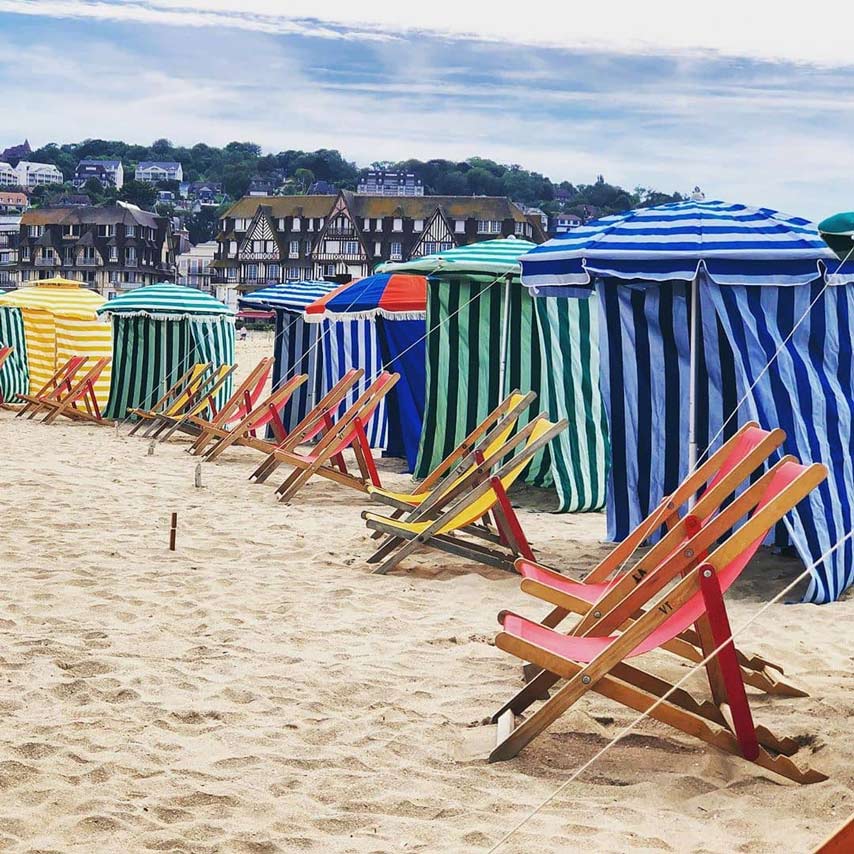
<point>40,332</point>
<point>808,390</point>
<point>214,343</point>
<point>149,356</point>
<point>569,350</point>
<point>354,344</point>
<point>464,323</point>
<point>297,350</point>
<point>90,337</point>
<point>14,375</point>
<point>166,301</point>
<point>403,351</point>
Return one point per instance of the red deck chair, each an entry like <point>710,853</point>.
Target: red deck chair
<point>82,392</point>
<point>665,603</point>
<point>319,418</point>
<point>58,384</point>
<point>268,412</point>
<point>721,474</point>
<point>326,458</point>
<point>5,352</point>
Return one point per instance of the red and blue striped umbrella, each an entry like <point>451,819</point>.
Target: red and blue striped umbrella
<point>397,296</point>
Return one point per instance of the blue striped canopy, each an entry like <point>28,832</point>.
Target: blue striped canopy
<point>292,296</point>
<point>732,244</point>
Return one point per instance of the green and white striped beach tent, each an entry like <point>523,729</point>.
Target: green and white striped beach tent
<point>14,375</point>
<point>487,336</point>
<point>159,332</point>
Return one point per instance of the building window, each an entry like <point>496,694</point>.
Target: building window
<point>130,231</point>
<point>106,230</point>
<point>293,273</point>
<point>130,255</point>
<point>273,272</point>
<point>378,248</point>
<point>351,247</point>
<point>293,250</point>
<point>232,247</point>
<point>35,230</point>
<point>378,224</point>
<point>251,272</point>
<point>297,225</point>
<point>366,223</point>
<point>459,226</point>
<point>328,269</point>
<point>231,273</point>
<point>71,231</point>
<point>25,253</point>
<point>489,226</point>
<point>114,253</point>
<point>311,224</point>
<point>418,225</point>
<point>396,252</point>
<point>398,224</point>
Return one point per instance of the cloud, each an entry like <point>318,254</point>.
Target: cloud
<point>760,29</point>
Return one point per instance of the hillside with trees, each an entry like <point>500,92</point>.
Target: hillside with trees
<point>292,172</point>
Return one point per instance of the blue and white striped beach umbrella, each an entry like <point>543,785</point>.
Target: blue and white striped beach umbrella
<point>772,309</point>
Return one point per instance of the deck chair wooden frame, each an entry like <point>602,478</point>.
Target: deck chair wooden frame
<point>242,400</point>
<point>722,473</point>
<point>347,431</point>
<point>450,515</point>
<point>177,397</point>
<point>81,392</point>
<point>313,423</point>
<point>269,411</point>
<point>59,383</point>
<point>672,594</point>
<point>164,426</point>
<point>841,841</point>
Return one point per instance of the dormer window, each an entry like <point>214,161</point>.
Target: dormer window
<point>297,224</point>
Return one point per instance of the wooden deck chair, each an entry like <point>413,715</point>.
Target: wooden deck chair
<point>242,400</point>
<point>326,458</point>
<point>163,426</point>
<point>319,418</point>
<point>5,352</point>
<point>461,509</point>
<point>181,394</point>
<point>59,383</point>
<point>841,841</point>
<point>81,392</point>
<point>672,598</point>
<point>721,474</point>
<point>245,432</point>
<point>482,442</point>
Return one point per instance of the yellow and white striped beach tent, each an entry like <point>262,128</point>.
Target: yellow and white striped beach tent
<point>60,322</point>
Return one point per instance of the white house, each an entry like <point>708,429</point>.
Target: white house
<point>153,171</point>
<point>194,266</point>
<point>31,174</point>
<point>8,175</point>
<point>108,172</point>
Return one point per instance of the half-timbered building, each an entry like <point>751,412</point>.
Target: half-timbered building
<point>268,240</point>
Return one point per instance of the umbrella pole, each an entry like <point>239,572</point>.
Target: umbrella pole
<point>505,336</point>
<point>692,382</point>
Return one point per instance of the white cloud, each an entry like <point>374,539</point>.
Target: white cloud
<point>759,29</point>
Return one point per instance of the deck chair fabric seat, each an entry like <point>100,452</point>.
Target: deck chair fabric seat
<point>175,399</point>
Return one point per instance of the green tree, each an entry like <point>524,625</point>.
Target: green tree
<point>139,193</point>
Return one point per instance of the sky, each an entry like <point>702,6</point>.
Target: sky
<point>750,101</point>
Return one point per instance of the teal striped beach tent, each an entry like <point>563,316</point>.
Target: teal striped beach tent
<point>14,375</point>
<point>485,337</point>
<point>159,333</point>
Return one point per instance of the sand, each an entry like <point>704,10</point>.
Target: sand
<point>258,690</point>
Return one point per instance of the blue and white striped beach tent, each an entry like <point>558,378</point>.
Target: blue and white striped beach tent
<point>757,287</point>
<point>324,351</point>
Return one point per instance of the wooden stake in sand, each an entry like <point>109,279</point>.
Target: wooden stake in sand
<point>173,530</point>
<point>151,445</point>
<point>197,478</point>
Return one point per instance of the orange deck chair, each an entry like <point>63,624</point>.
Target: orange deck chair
<point>177,398</point>
<point>326,458</point>
<point>81,392</point>
<point>666,602</point>
<point>711,484</point>
<point>58,384</point>
<point>245,431</point>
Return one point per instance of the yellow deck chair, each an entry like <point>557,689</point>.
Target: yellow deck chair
<point>461,509</point>
<point>177,397</point>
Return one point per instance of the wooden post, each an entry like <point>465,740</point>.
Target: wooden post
<point>197,478</point>
<point>151,445</point>
<point>173,530</point>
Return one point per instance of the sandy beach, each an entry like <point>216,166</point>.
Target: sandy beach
<point>259,690</point>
